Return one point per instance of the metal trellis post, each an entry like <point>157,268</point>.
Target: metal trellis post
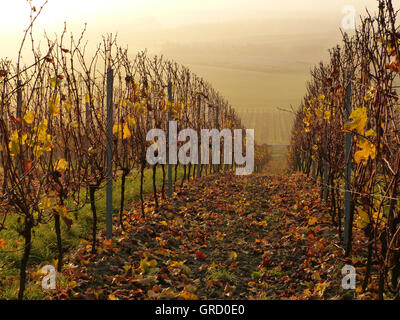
<point>110,79</point>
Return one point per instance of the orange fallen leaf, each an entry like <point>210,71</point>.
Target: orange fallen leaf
<point>112,297</point>
<point>312,221</point>
<point>200,255</point>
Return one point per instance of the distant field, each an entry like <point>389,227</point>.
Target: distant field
<point>278,162</point>
<point>257,66</point>
<point>271,127</point>
<point>256,96</point>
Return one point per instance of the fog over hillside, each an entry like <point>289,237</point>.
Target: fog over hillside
<point>257,53</point>
<point>258,73</point>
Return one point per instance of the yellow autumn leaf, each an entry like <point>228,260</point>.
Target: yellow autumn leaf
<point>320,288</point>
<point>15,140</point>
<point>61,165</point>
<point>367,151</point>
<point>176,264</point>
<point>233,255</point>
<point>14,148</point>
<point>370,133</point>
<point>3,243</point>
<point>147,265</point>
<point>29,117</point>
<point>60,210</point>
<point>131,120</point>
<point>112,297</point>
<point>378,217</point>
<point>54,110</point>
<point>126,132</point>
<point>168,106</point>
<point>358,120</point>
<point>187,295</point>
<point>45,203</point>
<point>363,219</point>
<point>24,138</point>
<point>127,267</point>
<point>117,129</point>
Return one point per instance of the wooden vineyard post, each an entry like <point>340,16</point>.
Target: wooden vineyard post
<point>348,208</point>
<point>198,130</point>
<point>110,79</point>
<point>169,139</point>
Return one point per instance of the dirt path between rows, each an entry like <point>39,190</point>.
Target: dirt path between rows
<point>221,237</point>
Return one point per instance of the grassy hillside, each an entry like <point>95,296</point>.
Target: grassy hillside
<point>44,247</point>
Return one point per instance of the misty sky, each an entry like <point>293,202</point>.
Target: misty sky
<point>146,21</point>
<point>257,53</point>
